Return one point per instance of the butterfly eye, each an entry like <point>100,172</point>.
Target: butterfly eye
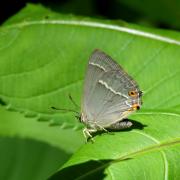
<point>132,93</point>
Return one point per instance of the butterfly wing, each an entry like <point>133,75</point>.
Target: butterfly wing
<point>106,88</point>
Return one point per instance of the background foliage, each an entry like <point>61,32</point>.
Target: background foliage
<point>44,51</point>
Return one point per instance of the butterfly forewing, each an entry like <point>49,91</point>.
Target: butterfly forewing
<point>98,64</point>
<point>106,89</point>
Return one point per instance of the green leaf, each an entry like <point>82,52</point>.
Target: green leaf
<point>13,124</point>
<point>151,153</point>
<point>27,159</point>
<point>44,60</point>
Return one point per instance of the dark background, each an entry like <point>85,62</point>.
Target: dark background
<point>109,9</point>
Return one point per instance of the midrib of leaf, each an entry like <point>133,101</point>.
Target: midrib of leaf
<point>156,147</point>
<point>159,146</point>
<point>157,112</point>
<point>97,25</point>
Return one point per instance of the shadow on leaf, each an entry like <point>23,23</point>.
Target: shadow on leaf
<point>88,170</point>
<point>136,125</point>
<point>2,102</point>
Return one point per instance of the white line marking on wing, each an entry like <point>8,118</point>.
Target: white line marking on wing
<point>97,65</point>
<point>112,90</point>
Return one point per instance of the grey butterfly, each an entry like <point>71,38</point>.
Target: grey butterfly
<point>110,95</point>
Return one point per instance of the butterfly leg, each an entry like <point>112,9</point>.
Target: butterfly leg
<point>87,133</point>
<point>120,125</point>
<point>101,128</point>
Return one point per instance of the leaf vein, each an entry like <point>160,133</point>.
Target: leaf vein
<point>158,113</point>
<point>99,25</point>
<point>158,83</point>
<point>145,65</point>
<point>161,151</point>
<point>52,91</point>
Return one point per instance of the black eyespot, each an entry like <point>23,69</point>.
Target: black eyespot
<point>132,93</point>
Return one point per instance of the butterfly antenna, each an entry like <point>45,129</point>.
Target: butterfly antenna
<point>72,100</point>
<point>67,110</point>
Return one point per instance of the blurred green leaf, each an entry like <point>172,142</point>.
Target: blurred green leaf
<point>13,124</point>
<point>44,59</point>
<point>27,159</point>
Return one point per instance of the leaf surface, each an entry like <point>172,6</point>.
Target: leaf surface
<point>44,59</point>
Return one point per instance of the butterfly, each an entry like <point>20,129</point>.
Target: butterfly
<point>109,96</point>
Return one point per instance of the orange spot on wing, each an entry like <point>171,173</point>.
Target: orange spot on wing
<point>134,107</point>
<point>133,93</point>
